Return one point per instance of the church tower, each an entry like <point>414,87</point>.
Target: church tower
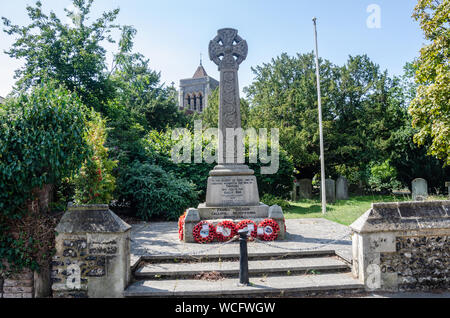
<point>194,92</point>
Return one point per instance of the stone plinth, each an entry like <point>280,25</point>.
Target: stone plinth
<point>403,246</point>
<point>233,190</point>
<point>92,254</point>
<point>233,212</point>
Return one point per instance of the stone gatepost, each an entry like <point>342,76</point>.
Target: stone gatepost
<point>92,254</point>
<point>403,246</point>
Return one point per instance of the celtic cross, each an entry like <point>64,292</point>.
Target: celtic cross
<point>228,50</point>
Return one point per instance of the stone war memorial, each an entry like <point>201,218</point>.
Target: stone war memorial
<point>232,198</point>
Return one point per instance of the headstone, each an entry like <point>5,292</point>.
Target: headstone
<point>341,188</point>
<point>330,191</point>
<point>447,185</point>
<point>419,189</point>
<point>305,189</point>
<point>294,193</point>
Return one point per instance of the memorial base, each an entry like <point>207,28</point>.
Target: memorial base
<point>216,215</point>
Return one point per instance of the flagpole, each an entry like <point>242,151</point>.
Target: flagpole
<point>322,156</point>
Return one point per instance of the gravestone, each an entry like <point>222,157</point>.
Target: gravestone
<point>294,194</point>
<point>330,191</point>
<point>341,188</point>
<point>305,189</point>
<point>419,189</point>
<point>232,189</point>
<point>447,185</point>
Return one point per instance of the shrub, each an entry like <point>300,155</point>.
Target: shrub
<point>94,182</point>
<point>42,141</point>
<point>154,192</point>
<point>383,177</point>
<point>270,200</point>
<point>158,146</point>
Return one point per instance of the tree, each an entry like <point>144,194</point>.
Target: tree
<point>72,55</point>
<point>430,109</point>
<point>283,95</point>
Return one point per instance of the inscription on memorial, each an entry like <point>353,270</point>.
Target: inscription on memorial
<point>232,189</point>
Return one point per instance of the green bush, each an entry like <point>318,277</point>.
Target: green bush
<point>383,177</point>
<point>42,141</point>
<point>154,192</point>
<point>94,183</point>
<point>270,200</point>
<point>158,147</point>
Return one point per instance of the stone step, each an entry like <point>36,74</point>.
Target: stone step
<point>267,286</point>
<point>231,268</point>
<point>176,258</point>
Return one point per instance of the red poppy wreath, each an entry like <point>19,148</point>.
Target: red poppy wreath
<point>250,225</point>
<point>204,232</point>
<point>268,230</point>
<point>225,231</point>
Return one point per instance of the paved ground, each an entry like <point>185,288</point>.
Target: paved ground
<point>161,238</point>
<point>302,234</point>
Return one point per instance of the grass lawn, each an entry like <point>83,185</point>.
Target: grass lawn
<point>343,212</point>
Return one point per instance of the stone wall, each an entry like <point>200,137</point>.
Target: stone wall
<point>421,262</point>
<point>20,285</point>
<point>403,246</point>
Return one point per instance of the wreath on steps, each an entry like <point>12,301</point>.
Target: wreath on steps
<point>250,225</point>
<point>225,231</point>
<point>204,232</point>
<point>268,230</point>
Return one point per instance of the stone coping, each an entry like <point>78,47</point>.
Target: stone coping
<point>95,218</point>
<point>404,216</point>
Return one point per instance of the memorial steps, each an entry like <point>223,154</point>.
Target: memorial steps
<point>307,273</point>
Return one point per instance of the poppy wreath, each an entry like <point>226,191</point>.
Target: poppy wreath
<point>225,231</point>
<point>245,223</point>
<point>181,226</point>
<point>270,230</point>
<point>204,232</point>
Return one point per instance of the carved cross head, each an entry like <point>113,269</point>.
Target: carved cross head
<point>228,50</point>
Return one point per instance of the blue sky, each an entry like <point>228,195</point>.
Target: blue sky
<point>173,33</point>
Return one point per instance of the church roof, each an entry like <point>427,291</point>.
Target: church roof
<point>200,72</point>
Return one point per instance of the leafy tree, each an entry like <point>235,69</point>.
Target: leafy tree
<point>141,96</point>
<point>283,95</point>
<point>430,109</point>
<point>72,54</point>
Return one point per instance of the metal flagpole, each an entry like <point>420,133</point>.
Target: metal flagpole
<point>322,156</point>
